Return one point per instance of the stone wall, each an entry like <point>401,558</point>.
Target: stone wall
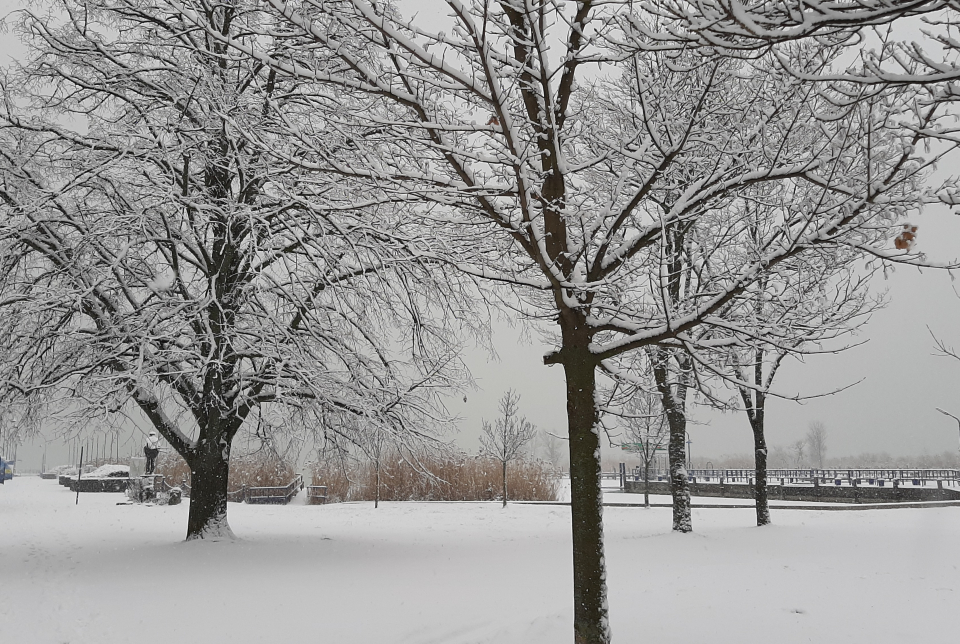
<point>100,485</point>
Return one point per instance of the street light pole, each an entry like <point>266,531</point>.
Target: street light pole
<point>946,413</point>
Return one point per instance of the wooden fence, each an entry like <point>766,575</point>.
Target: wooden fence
<point>279,495</point>
<point>316,494</point>
<point>276,495</point>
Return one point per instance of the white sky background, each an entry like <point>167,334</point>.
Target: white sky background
<point>892,410</point>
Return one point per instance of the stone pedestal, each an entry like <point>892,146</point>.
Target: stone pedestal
<point>138,466</point>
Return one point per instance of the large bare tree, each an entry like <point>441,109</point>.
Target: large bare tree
<point>155,257</point>
<point>492,126</point>
<point>805,318</point>
<point>804,306</point>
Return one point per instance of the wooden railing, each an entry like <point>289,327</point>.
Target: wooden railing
<point>316,494</point>
<point>279,495</point>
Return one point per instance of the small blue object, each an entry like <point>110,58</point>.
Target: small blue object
<point>836,481</point>
<point>6,471</point>
<point>880,482</point>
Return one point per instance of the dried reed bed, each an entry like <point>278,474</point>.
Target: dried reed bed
<point>173,468</point>
<point>259,469</point>
<point>445,477</point>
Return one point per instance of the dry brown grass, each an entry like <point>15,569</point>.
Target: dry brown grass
<point>339,480</point>
<point>260,469</point>
<point>256,470</point>
<point>447,477</point>
<point>173,468</point>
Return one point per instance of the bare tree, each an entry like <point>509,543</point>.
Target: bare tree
<point>346,442</point>
<point>648,431</point>
<point>798,308</point>
<point>672,373</point>
<point>481,129</point>
<point>817,441</point>
<point>799,450</point>
<point>161,261</point>
<point>505,439</point>
<point>375,444</point>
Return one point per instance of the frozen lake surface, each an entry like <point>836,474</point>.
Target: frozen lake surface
<point>465,573</point>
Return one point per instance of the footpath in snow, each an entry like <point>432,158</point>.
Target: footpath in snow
<point>450,573</point>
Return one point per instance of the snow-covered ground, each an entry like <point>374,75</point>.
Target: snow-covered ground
<point>459,573</point>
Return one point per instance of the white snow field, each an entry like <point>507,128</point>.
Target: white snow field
<point>464,573</point>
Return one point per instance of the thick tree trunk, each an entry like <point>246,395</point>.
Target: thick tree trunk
<point>504,484</point>
<point>760,456</point>
<point>376,498</point>
<point>590,620</point>
<point>675,405</point>
<point>209,469</point>
<point>679,483</point>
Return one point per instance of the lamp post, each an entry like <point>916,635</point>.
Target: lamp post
<point>946,413</point>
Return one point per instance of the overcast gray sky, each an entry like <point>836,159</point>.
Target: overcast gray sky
<point>891,410</point>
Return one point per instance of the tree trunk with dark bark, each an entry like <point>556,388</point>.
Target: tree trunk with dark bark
<point>673,398</point>
<point>679,482</point>
<point>760,456</point>
<point>646,483</point>
<point>209,470</point>
<point>504,484</point>
<point>754,403</point>
<point>755,413</point>
<point>590,619</point>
